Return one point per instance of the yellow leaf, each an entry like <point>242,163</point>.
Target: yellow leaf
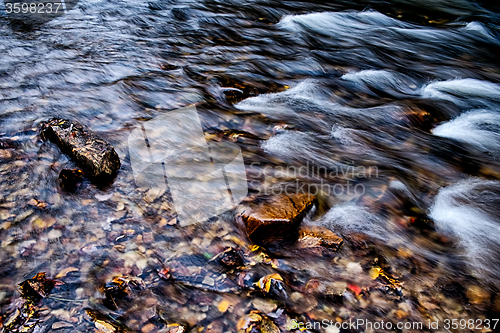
<point>224,305</point>
<point>375,272</point>
<point>104,327</point>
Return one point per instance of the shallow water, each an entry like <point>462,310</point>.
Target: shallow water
<point>388,112</point>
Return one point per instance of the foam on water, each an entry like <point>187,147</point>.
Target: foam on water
<point>478,127</point>
<point>388,81</point>
<point>331,23</point>
<point>482,31</point>
<point>470,211</point>
<point>346,218</point>
<point>465,92</point>
<point>310,96</point>
<point>307,91</point>
<point>299,146</point>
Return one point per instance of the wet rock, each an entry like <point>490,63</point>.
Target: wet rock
<point>104,323</point>
<point>215,327</point>
<point>229,258</point>
<point>275,218</point>
<point>5,154</point>
<point>197,275</point>
<point>149,328</point>
<point>273,285</point>
<point>318,239</point>
<point>233,95</point>
<point>70,180</point>
<point>23,319</point>
<point>96,157</point>
<point>264,305</point>
<point>119,291</point>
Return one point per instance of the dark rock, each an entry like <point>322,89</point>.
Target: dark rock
<point>229,258</point>
<point>233,95</point>
<point>97,158</point>
<point>273,285</point>
<point>119,291</point>
<point>319,239</point>
<point>104,323</point>
<point>70,180</point>
<point>275,218</point>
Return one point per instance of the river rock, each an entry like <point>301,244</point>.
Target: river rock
<point>274,218</point>
<point>97,158</point>
<point>319,239</point>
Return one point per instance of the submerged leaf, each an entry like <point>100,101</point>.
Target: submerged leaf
<point>37,287</point>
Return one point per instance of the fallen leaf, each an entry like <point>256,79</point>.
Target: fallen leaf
<point>37,203</point>
<point>375,272</point>
<point>65,272</point>
<point>223,305</point>
<point>104,327</point>
<point>357,290</point>
<point>38,286</point>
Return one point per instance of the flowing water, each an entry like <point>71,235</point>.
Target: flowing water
<point>388,111</point>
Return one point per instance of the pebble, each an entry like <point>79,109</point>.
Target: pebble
<point>61,324</point>
<point>148,237</point>
<point>208,281</point>
<point>54,233</point>
<point>4,154</point>
<point>264,306</point>
<point>354,267</point>
<point>148,328</point>
<point>332,329</point>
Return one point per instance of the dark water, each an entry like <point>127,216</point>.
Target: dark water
<point>401,98</point>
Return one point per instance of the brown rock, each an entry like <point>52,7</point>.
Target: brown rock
<point>5,154</point>
<point>96,157</point>
<point>215,327</point>
<point>275,218</point>
<point>477,295</point>
<point>148,328</point>
<point>319,238</point>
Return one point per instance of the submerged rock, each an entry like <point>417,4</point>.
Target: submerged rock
<point>96,157</point>
<point>119,291</point>
<point>275,218</point>
<point>319,239</point>
<point>229,258</point>
<point>70,179</point>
